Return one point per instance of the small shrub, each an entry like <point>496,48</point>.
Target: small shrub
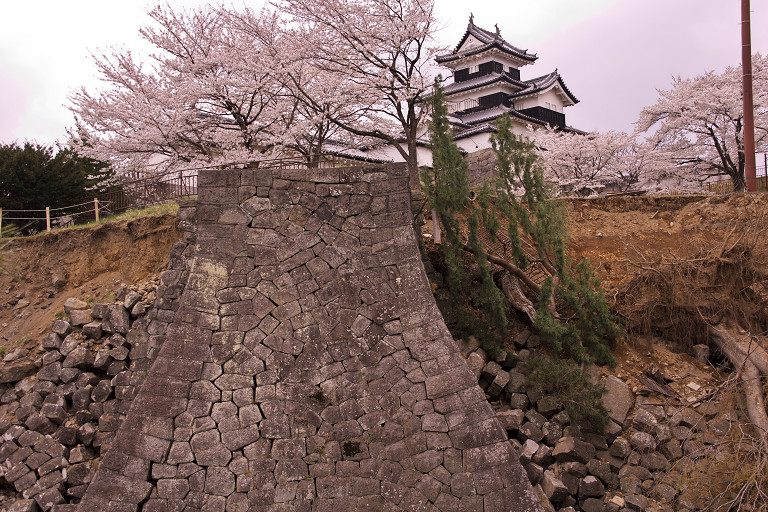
<point>564,380</point>
<point>320,397</point>
<point>351,448</point>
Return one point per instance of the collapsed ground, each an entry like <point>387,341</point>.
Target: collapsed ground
<point>613,233</point>
<point>85,263</point>
<point>616,234</point>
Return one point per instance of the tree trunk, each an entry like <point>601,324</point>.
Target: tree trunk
<point>412,162</point>
<point>510,285</point>
<point>436,227</point>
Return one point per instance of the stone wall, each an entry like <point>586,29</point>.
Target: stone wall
<point>305,366</point>
<point>482,166</point>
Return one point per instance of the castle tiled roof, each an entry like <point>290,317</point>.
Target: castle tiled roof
<point>525,87</point>
<point>489,40</point>
<point>480,81</point>
<point>474,130</point>
<point>543,83</point>
<point>472,119</point>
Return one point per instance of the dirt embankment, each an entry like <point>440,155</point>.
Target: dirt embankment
<point>618,233</point>
<point>83,263</point>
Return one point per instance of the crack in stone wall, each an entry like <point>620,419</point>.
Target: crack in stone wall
<point>307,366</point>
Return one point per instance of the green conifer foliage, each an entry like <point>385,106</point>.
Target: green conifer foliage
<point>446,186</point>
<point>582,327</point>
<point>567,383</point>
<point>572,314</point>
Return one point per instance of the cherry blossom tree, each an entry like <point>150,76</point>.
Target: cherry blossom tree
<point>577,161</point>
<point>211,93</point>
<point>588,163</point>
<point>227,85</point>
<point>697,125</point>
<point>381,55</point>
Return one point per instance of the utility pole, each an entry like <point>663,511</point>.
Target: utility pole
<point>750,171</point>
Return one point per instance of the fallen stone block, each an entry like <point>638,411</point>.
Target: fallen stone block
<point>80,357</point>
<point>131,299</point>
<point>98,311</point>
<point>553,487</point>
<point>644,421</point>
<point>69,344</point>
<point>79,317</point>
<point>14,372</point>
<point>92,330</point>
<point>511,420</point>
<point>572,449</point>
<point>61,327</point>
<point>55,413</point>
<point>117,320</point>
<point>491,370</point>
<point>498,383</point>
<point>101,391</point>
<point>618,398</point>
<point>48,498</point>
<point>591,487</point>
<point>51,342</point>
<point>643,442</point>
<point>73,304</point>
<point>22,506</point>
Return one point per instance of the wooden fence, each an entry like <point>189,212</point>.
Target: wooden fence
<point>140,193</point>
<point>726,186</point>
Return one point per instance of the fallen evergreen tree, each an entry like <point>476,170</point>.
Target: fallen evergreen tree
<point>567,308</point>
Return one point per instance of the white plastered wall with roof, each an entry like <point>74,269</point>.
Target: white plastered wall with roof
<point>549,99</point>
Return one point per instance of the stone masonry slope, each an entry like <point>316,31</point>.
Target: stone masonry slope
<point>307,367</point>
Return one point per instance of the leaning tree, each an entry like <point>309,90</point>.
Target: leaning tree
<point>567,307</point>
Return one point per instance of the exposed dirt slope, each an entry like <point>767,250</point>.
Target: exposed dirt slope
<point>611,232</point>
<point>83,263</point>
<point>620,234</point>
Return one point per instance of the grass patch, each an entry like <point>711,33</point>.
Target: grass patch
<point>127,215</point>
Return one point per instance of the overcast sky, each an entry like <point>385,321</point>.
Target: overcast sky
<point>612,54</point>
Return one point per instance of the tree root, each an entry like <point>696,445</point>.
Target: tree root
<point>751,361</point>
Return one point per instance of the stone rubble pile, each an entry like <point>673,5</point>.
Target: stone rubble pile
<point>635,465</point>
<point>60,408</point>
<point>59,412</point>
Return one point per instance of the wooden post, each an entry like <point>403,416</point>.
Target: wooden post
<point>750,171</point>
<point>47,218</point>
<point>96,207</point>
